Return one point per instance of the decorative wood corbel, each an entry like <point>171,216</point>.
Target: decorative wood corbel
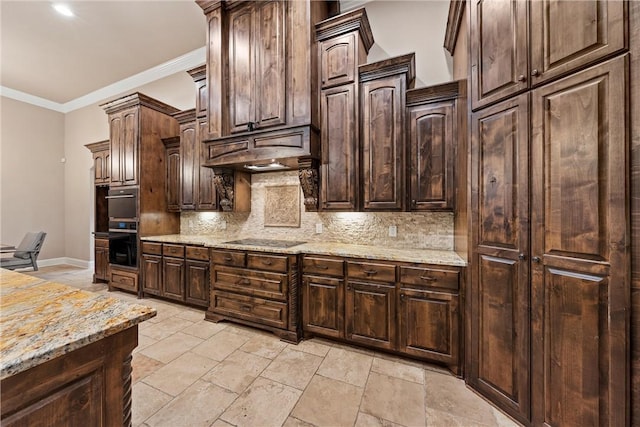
<point>223,179</point>
<point>308,174</point>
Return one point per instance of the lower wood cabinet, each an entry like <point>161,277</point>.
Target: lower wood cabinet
<point>407,308</point>
<point>101,259</point>
<point>177,272</point>
<point>257,289</point>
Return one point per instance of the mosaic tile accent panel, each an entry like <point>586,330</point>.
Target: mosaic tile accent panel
<point>420,230</point>
<point>282,206</point>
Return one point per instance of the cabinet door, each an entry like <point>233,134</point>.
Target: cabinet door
<point>152,274</point>
<point>241,68</point>
<point>500,324</point>
<point>431,139</point>
<point>498,36</point>
<point>338,61</point>
<point>429,325</point>
<point>190,161</point>
<point>581,264</point>
<point>382,108</point>
<point>173,278</point>
<point>129,147</point>
<point>569,34</point>
<point>339,142</point>
<point>116,141</point>
<point>197,283</point>
<point>270,55</point>
<point>173,179</point>
<point>207,199</point>
<point>371,314</point>
<point>101,261</point>
<point>323,306</point>
<point>99,167</point>
<point>106,163</point>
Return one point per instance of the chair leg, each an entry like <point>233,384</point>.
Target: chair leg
<point>33,262</point>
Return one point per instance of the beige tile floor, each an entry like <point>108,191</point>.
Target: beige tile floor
<point>190,372</point>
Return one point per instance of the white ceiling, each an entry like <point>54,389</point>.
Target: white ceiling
<point>108,47</point>
<point>60,59</point>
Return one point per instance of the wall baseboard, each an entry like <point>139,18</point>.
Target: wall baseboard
<point>65,260</point>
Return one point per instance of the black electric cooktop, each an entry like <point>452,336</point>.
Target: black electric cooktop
<point>266,242</point>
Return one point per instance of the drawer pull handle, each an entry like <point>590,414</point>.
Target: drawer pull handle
<point>428,278</point>
<point>370,272</point>
<point>228,258</point>
<point>245,307</point>
<point>323,267</point>
<point>266,262</point>
<point>245,282</point>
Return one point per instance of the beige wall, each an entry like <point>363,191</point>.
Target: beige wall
<point>32,175</point>
<point>401,27</point>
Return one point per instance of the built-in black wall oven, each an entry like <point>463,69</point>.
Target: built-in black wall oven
<point>123,227</point>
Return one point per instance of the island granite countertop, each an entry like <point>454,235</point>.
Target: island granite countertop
<point>41,320</point>
<point>423,256</point>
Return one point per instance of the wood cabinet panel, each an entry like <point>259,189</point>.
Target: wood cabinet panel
<point>371,271</point>
<point>499,50</point>
<point>101,259</point>
<point>252,282</point>
<point>230,258</point>
<point>431,277</point>
<point>123,278</point>
<point>152,274</point>
<point>371,314</point>
<point>199,253</point>
<point>580,285</point>
<point>115,137</point>
<point>323,266</point>
<point>431,133</point>
<point>151,248</point>
<point>382,109</point>
<point>173,278</point>
<point>253,309</point>
<point>567,35</point>
<point>266,262</point>
<point>129,148</point>
<point>339,189</point>
<point>197,282</point>
<point>190,166</point>
<point>241,68</point>
<point>323,305</point>
<point>173,182</point>
<point>173,250</point>
<point>207,196</point>
<point>500,300</point>
<point>429,325</point>
<point>338,61</point>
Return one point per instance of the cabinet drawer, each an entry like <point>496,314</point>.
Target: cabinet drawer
<point>323,266</point>
<point>197,252</point>
<point>173,250</point>
<point>430,277</point>
<point>102,243</point>
<point>371,271</point>
<point>267,262</point>
<point>257,310</point>
<point>235,259</point>
<point>152,248</point>
<point>251,282</point>
<point>124,280</point>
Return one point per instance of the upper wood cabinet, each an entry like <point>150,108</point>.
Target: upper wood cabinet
<point>101,161</point>
<point>437,124</point>
<point>123,132</point>
<point>199,76</point>
<point>382,106</point>
<point>173,173</point>
<point>344,41</point>
<point>564,36</point>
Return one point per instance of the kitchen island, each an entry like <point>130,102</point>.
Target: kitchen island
<point>65,353</point>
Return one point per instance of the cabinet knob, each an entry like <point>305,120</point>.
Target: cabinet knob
<point>535,259</point>
<point>521,257</point>
<point>402,296</point>
<point>522,78</point>
<point>535,72</point>
<point>348,288</point>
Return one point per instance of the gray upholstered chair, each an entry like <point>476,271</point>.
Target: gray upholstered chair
<point>26,254</point>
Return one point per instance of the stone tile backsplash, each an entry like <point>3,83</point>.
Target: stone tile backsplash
<point>428,230</point>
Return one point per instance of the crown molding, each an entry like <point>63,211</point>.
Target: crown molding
<point>454,20</point>
<point>348,5</point>
<point>182,63</point>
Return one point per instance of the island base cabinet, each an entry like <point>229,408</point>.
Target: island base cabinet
<point>90,386</point>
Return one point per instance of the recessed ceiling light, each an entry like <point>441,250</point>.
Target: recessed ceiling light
<point>63,9</point>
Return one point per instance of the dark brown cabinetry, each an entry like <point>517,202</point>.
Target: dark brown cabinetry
<point>343,43</point>
<point>101,161</point>
<point>101,260</point>
<point>255,288</point>
<point>323,295</point>
<point>565,36</point>
<point>546,344</point>
<point>176,272</point>
<point>436,125</point>
<point>412,309</point>
<point>123,133</point>
<point>382,108</point>
<point>173,173</point>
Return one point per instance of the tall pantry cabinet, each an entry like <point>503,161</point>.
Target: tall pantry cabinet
<point>550,237</point>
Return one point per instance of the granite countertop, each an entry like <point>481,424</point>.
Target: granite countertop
<point>425,256</point>
<point>41,320</point>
